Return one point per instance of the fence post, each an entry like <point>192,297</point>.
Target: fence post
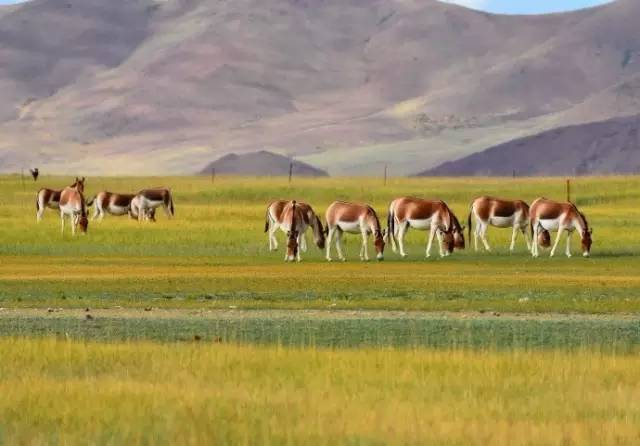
<point>568,189</point>
<point>290,170</point>
<point>385,174</point>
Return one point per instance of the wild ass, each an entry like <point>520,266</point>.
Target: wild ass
<point>148,199</point>
<point>353,218</point>
<point>294,225</point>
<point>49,198</point>
<point>274,220</point>
<point>72,203</point>
<point>554,216</point>
<point>134,210</point>
<point>110,203</point>
<point>489,211</point>
<point>426,215</point>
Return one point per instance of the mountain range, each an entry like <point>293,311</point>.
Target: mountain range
<point>167,86</point>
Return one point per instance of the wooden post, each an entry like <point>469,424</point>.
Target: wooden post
<point>385,174</point>
<point>290,170</point>
<point>213,175</point>
<point>568,189</point>
<point>514,173</point>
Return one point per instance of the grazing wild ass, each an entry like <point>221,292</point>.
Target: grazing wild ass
<point>149,199</point>
<point>426,215</point>
<point>489,211</point>
<point>73,204</point>
<point>554,216</point>
<point>110,203</point>
<point>274,220</point>
<point>134,210</point>
<point>49,198</point>
<point>355,219</point>
<point>294,225</point>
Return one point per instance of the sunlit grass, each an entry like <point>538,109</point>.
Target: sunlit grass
<point>141,393</point>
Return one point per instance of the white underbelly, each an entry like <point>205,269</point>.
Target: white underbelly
<point>151,204</point>
<point>550,225</point>
<point>422,225</point>
<point>352,227</point>
<point>501,222</point>
<point>118,210</point>
<point>69,209</point>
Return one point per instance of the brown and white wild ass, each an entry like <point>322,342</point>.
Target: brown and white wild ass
<point>72,203</point>
<point>110,203</point>
<point>555,216</point>
<point>353,218</point>
<point>148,199</point>
<point>274,219</point>
<point>49,198</point>
<point>489,211</point>
<point>293,224</point>
<point>134,210</point>
<point>425,215</point>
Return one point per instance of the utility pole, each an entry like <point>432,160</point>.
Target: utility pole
<point>385,174</point>
<point>290,170</point>
<point>568,189</point>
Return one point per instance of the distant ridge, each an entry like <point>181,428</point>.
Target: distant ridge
<point>605,147</point>
<point>262,163</point>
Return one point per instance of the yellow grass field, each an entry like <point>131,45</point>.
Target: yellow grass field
<point>64,392</point>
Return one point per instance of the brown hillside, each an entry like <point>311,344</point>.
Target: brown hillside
<point>347,85</point>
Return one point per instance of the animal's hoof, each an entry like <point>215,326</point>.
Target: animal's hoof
<point>569,256</point>
<point>342,259</point>
<point>329,259</point>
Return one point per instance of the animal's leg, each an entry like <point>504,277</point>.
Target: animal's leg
<point>74,223</point>
<point>512,247</point>
<point>339,244</point>
<point>483,236</point>
<point>364,255</point>
<point>555,245</point>
<point>432,234</point>
<point>534,242</point>
<point>393,235</point>
<point>300,238</point>
<point>62,221</point>
<point>568,249</point>
<point>439,237</point>
<point>476,234</point>
<point>402,232</point>
<point>328,241</point>
<point>303,241</point>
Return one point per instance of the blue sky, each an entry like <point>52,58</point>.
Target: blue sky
<point>509,6</point>
<point>528,6</point>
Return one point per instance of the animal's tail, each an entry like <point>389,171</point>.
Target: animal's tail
<point>38,202</point>
<point>391,225</point>
<point>90,202</point>
<point>469,225</point>
<point>170,204</point>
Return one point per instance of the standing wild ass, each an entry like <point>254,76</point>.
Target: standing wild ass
<point>554,216</point>
<point>355,219</point>
<point>150,199</point>
<point>110,203</point>
<point>49,198</point>
<point>426,215</point>
<point>294,225</point>
<point>274,219</point>
<point>489,211</point>
<point>72,203</point>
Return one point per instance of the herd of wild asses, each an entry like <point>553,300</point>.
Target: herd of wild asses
<point>295,217</point>
<point>72,203</point>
